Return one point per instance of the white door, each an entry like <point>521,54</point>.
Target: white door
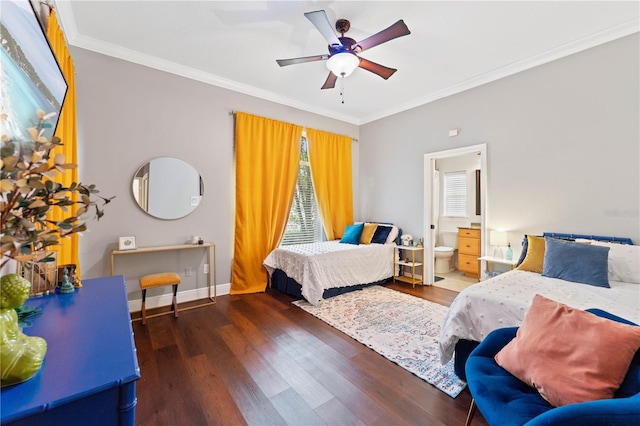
<point>429,190</point>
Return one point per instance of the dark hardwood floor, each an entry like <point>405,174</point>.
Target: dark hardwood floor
<point>257,359</point>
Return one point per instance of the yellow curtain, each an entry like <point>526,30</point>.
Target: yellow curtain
<point>66,131</point>
<point>330,159</point>
<point>267,162</point>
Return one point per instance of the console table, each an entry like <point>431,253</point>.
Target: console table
<point>211,259</point>
<point>91,367</point>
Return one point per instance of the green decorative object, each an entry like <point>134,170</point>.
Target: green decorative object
<point>26,314</point>
<point>21,356</point>
<point>66,286</point>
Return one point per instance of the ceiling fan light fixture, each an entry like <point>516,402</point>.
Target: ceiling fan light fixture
<point>342,64</point>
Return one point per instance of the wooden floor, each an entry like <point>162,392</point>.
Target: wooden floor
<point>257,359</point>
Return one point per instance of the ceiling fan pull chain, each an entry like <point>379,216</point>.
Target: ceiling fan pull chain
<point>342,88</point>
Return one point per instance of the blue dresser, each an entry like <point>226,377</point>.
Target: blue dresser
<point>90,370</point>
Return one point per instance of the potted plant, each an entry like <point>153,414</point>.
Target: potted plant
<point>27,195</point>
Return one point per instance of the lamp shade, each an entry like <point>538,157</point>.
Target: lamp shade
<point>498,238</point>
<point>342,64</point>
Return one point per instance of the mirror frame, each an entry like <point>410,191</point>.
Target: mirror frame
<point>157,197</point>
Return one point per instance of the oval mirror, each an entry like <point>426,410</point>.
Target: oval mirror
<point>167,188</point>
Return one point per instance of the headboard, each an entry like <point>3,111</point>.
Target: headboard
<point>619,240</point>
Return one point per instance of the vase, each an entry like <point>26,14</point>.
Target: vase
<point>41,272</point>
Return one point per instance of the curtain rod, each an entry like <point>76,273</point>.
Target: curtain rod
<point>232,112</point>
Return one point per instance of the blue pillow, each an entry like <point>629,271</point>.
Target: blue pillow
<point>352,234</point>
<point>576,262</point>
<point>381,234</point>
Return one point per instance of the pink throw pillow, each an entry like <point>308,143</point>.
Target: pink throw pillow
<point>569,355</point>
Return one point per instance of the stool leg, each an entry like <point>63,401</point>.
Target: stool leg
<point>471,413</point>
<point>174,304</point>
<point>144,310</point>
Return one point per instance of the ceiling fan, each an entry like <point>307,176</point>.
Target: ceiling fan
<point>343,51</point>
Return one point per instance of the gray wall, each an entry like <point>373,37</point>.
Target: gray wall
<point>129,114</point>
<point>562,148</point>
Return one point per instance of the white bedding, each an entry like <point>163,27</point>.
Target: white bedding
<point>502,302</point>
<point>330,264</point>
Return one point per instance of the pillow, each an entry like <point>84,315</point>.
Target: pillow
<point>381,234</point>
<point>393,235</point>
<point>367,233</point>
<point>583,240</point>
<point>624,262</point>
<point>569,355</point>
<point>575,262</point>
<point>534,258</point>
<point>523,253</point>
<point>352,234</point>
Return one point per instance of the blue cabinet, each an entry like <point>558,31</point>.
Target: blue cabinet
<point>91,367</point>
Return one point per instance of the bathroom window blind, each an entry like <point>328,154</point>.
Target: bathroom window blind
<point>455,193</point>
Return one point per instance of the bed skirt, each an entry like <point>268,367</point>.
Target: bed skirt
<point>281,282</point>
<point>463,349</point>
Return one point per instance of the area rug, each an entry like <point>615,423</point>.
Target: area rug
<point>398,326</point>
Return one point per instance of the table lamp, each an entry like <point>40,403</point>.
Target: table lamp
<point>498,239</point>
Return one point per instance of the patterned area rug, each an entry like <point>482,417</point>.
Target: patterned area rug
<point>398,326</point>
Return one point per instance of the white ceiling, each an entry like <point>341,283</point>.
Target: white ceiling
<point>453,45</point>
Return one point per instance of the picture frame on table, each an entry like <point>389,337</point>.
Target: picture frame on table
<point>127,243</point>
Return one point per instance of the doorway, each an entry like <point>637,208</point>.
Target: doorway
<point>431,191</point>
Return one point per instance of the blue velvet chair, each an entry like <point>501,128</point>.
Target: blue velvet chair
<point>504,400</point>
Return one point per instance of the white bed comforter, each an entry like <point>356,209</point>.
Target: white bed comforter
<point>502,302</point>
<point>319,266</point>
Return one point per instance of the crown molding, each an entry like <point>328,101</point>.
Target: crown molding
<point>610,34</point>
<point>74,38</point>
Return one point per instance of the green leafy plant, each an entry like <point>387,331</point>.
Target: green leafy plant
<point>28,194</point>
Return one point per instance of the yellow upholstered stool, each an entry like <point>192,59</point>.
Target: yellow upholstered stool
<point>158,280</point>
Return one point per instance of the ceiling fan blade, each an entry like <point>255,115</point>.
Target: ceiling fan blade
<point>293,61</point>
<point>320,20</point>
<point>396,30</point>
<point>381,70</point>
<point>330,83</point>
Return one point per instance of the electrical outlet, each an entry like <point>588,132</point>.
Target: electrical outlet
<point>188,272</point>
<point>206,268</point>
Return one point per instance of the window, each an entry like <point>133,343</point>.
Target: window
<point>455,193</point>
<point>304,225</point>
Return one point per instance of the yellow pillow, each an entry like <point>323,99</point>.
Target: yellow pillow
<point>367,233</point>
<point>534,260</point>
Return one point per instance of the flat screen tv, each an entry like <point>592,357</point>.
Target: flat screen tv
<point>30,77</point>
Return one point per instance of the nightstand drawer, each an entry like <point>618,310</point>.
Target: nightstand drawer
<point>469,246</point>
<point>470,233</point>
<point>468,263</point>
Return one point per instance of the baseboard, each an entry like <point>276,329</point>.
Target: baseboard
<point>183,296</point>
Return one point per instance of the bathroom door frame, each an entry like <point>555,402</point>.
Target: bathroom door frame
<point>429,169</point>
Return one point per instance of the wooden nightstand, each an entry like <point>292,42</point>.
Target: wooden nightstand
<point>487,260</point>
<point>469,251</point>
<point>401,263</point>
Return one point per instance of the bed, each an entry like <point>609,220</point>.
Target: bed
<point>317,271</point>
<point>502,301</point>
